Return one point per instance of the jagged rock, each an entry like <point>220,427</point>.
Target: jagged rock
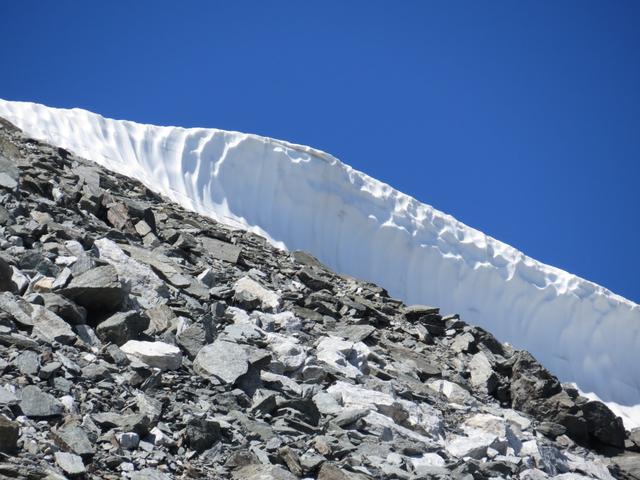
<point>251,295</point>
<point>50,327</point>
<point>139,278</point>
<point>71,464</point>
<point>28,363</point>
<point>9,433</point>
<point>149,474</point>
<point>73,438</point>
<point>155,354</point>
<point>482,375</point>
<point>128,440</point>
<point>224,360</point>
<point>192,339</point>
<point>96,289</point>
<point>17,309</point>
<point>35,403</point>
<point>202,434</point>
<point>122,327</point>
<point>348,358</point>
<point>603,425</point>
<point>415,313</point>
<point>161,264</point>
<point>65,308</point>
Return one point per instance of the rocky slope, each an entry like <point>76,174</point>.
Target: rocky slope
<point>140,340</point>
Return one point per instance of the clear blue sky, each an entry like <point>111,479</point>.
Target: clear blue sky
<point>521,119</point>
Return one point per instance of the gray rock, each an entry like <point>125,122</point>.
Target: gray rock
<point>28,363</point>
<point>192,339</point>
<point>482,375</point>
<point>263,472</point>
<point>6,273</point>
<point>155,354</point>
<point>128,440</point>
<point>149,474</point>
<point>74,438</point>
<point>50,327</point>
<point>225,360</point>
<point>251,295</point>
<point>96,289</point>
<point>35,403</point>
<point>9,433</point>
<point>65,308</point>
<point>16,308</point>
<point>202,434</point>
<point>221,250</point>
<point>70,463</point>
<point>122,327</point>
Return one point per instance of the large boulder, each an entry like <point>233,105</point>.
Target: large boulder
<point>227,361</point>
<point>155,354</point>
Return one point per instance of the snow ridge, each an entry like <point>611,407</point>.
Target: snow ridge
<point>302,198</point>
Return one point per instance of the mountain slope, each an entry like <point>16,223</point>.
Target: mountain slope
<point>301,198</point>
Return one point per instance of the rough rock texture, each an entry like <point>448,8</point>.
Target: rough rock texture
<point>142,341</point>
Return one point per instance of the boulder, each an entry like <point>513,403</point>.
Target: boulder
<point>70,463</point>
<point>97,289</point>
<point>50,327</point>
<point>122,327</point>
<point>9,433</point>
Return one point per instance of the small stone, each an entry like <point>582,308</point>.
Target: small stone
<point>155,354</point>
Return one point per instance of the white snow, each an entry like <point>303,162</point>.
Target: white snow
<point>302,198</point>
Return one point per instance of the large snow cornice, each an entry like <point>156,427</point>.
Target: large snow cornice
<point>301,198</point>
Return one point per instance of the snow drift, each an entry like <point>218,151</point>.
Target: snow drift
<point>302,198</point>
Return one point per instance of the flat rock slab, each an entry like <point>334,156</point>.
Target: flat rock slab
<point>50,327</point>
<point>37,404</point>
<point>155,354</point>
<point>221,250</point>
<point>70,463</point>
<point>225,360</point>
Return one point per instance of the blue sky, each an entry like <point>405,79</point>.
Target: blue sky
<point>521,119</point>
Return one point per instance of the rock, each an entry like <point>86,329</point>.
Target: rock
<point>9,433</point>
<point>348,358</point>
<point>331,472</point>
<point>603,425</point>
<point>35,403</point>
<point>482,375</point>
<point>122,327</point>
<point>6,273</point>
<point>414,313</point>
<point>161,264</point>
<point>140,279</point>
<point>50,327</point>
<point>202,434</point>
<point>311,278</point>
<point>73,438</point>
<point>192,339</point>
<point>65,309</point>
<point>17,309</point>
<point>71,464</point>
<point>263,472</point>
<point>155,354</point>
<point>98,289</point>
<point>149,474</point>
<point>221,250</point>
<point>128,440</point>
<point>28,363</point>
<point>225,360</point>
<point>251,296</point>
